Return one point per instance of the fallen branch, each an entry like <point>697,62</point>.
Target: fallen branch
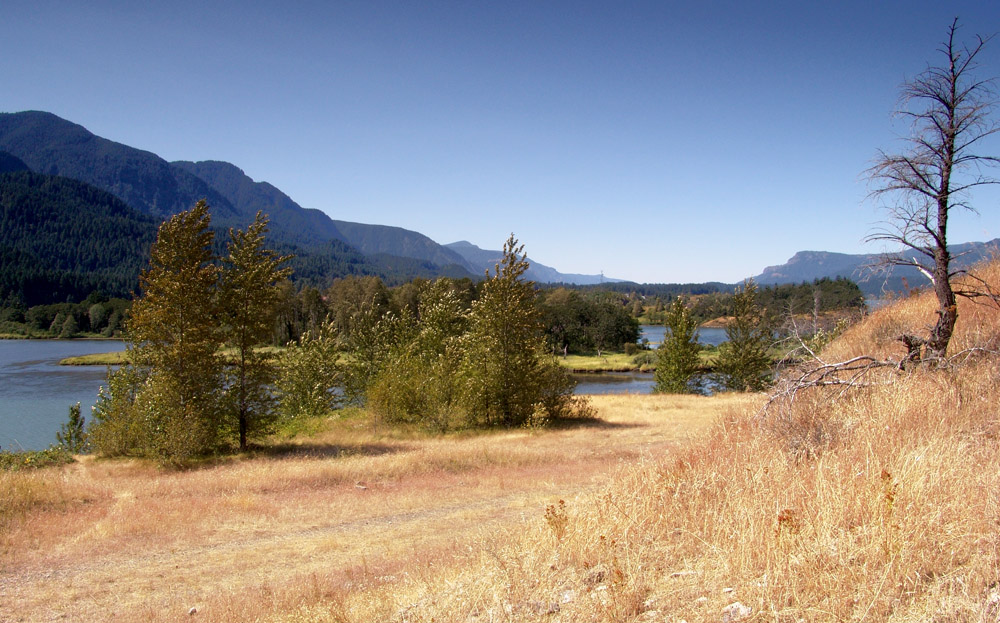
<point>844,374</point>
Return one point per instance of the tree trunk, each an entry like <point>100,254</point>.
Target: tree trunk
<point>937,345</point>
<point>243,430</point>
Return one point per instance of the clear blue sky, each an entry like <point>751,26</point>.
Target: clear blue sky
<point>656,141</point>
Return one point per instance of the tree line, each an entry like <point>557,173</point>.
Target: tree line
<point>782,300</point>
<point>95,315</point>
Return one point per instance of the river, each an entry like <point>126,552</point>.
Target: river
<point>36,392</point>
<point>712,336</point>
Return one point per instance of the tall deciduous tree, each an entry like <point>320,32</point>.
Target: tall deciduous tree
<point>174,334</point>
<point>950,109</point>
<point>677,357</point>
<point>249,296</point>
<point>743,363</point>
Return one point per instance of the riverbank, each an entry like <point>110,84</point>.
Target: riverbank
<point>643,361</point>
<point>96,359</point>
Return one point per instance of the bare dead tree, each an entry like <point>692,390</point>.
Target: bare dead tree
<point>950,111</point>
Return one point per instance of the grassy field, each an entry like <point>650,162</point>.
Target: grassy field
<point>119,357</point>
<point>311,519</point>
<point>608,362</point>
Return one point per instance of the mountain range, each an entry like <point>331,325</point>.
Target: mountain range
<point>482,260</point>
<point>53,146</point>
<point>866,269</point>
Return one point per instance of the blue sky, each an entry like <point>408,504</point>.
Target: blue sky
<point>653,141</point>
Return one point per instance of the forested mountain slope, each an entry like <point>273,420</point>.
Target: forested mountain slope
<point>63,239</point>
<point>55,146</point>
<point>143,180</point>
<point>10,163</point>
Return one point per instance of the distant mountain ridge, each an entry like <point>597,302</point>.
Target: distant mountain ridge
<point>51,145</point>
<point>54,146</point>
<point>313,225</point>
<point>482,260</point>
<point>45,144</point>
<point>310,226</point>
<point>811,265</point>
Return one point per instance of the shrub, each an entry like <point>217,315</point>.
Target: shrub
<point>72,436</point>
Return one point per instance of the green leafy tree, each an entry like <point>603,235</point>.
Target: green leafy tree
<point>375,342</point>
<point>173,337</point>
<point>249,296</point>
<point>421,380</point>
<point>580,323</point>
<point>120,427</point>
<point>677,357</point>
<point>56,326</point>
<point>352,299</point>
<point>308,374</point>
<point>503,359</point>
<point>97,314</point>
<point>743,363</point>
<point>69,327</point>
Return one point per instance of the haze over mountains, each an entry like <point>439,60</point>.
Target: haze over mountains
<point>114,177</point>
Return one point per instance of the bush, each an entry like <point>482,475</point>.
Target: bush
<point>72,436</point>
<point>308,374</point>
<point>33,459</point>
<point>117,428</point>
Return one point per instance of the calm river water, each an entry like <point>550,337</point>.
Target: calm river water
<point>36,392</point>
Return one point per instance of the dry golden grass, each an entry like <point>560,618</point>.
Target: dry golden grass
<point>878,335</point>
<point>260,537</point>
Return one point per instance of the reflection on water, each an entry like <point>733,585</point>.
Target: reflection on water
<point>36,392</point>
<point>614,383</point>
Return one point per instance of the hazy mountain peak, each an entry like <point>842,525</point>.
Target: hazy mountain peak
<point>486,260</point>
<point>811,265</point>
